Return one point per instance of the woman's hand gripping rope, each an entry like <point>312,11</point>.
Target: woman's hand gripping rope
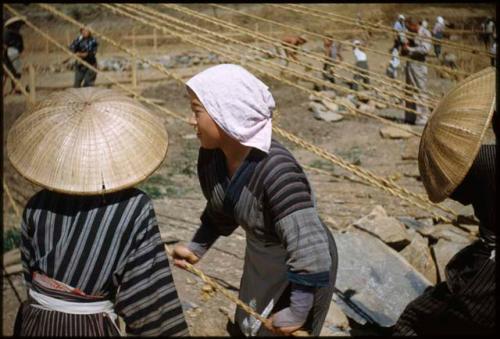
<point>185,259</point>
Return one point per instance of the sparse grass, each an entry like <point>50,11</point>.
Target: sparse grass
<point>159,186</point>
<point>353,155</point>
<point>11,239</point>
<point>323,164</point>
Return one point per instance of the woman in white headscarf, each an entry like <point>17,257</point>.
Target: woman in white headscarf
<point>250,179</point>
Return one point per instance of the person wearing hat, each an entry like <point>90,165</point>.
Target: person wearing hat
<point>85,47</point>
<point>13,47</point>
<point>400,29</point>
<point>250,179</point>
<point>416,73</point>
<point>454,163</point>
<point>438,33</point>
<point>90,245</point>
<point>361,62</point>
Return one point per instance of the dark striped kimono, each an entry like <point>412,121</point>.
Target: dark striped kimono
<point>270,197</point>
<point>107,246</point>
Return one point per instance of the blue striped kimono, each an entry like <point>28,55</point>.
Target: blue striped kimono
<point>270,197</point>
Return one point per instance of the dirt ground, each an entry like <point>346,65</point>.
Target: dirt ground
<point>175,188</point>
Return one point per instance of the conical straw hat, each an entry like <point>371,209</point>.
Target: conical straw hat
<point>87,141</point>
<point>452,137</point>
<point>10,21</point>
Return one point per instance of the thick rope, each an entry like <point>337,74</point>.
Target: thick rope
<point>383,28</point>
<point>194,270</point>
<point>329,84</point>
<point>326,60</point>
<point>374,76</point>
<point>198,43</point>
<point>445,69</point>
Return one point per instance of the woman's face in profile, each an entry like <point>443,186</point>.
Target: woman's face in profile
<point>207,131</point>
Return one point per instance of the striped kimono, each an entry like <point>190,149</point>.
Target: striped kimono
<point>270,197</point>
<point>109,248</point>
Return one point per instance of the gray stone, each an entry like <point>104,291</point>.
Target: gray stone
<point>390,132</point>
<point>374,282</point>
<point>388,229</point>
<point>451,233</point>
<point>443,251</point>
<point>345,104</point>
<point>391,112</point>
<point>417,253</point>
<point>422,226</point>
<point>322,113</point>
<point>366,108</point>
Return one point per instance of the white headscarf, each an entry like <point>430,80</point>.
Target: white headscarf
<point>238,102</point>
<point>440,20</point>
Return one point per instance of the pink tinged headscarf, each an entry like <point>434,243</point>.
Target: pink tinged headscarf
<point>238,102</point>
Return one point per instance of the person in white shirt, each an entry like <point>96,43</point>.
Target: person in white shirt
<point>400,29</point>
<point>361,63</point>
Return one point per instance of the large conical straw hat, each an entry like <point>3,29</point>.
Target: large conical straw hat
<point>87,141</point>
<point>452,137</point>
<point>14,19</point>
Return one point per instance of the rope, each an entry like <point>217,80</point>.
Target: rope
<point>384,181</point>
<point>216,286</point>
<point>378,77</point>
<point>329,84</point>
<point>287,46</point>
<point>192,269</point>
<point>446,69</point>
<point>256,69</point>
<point>358,171</point>
<point>382,28</point>
<point>280,131</point>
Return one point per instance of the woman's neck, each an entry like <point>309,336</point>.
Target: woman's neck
<point>235,154</point>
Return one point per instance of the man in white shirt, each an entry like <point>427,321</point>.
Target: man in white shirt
<point>361,63</point>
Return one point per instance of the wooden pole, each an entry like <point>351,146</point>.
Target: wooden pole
<point>155,42</point>
<point>32,83</point>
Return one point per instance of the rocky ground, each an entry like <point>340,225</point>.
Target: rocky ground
<point>389,250</point>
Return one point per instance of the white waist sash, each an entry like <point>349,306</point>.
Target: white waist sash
<point>52,304</point>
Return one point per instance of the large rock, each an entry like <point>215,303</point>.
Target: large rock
<point>443,251</point>
<point>417,253</point>
<point>451,233</point>
<point>410,151</point>
<point>391,132</point>
<point>388,229</point>
<point>422,226</point>
<point>320,112</point>
<point>374,282</point>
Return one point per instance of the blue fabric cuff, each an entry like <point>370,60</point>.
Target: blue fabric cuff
<point>320,279</point>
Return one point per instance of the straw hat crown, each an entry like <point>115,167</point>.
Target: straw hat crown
<point>87,141</point>
<point>452,137</point>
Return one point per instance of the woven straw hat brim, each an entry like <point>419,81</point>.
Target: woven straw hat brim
<point>452,137</point>
<point>87,141</point>
<point>14,19</point>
